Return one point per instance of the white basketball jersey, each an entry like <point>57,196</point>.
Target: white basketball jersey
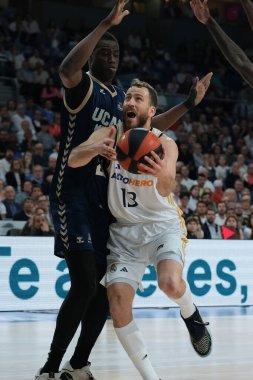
<point>134,198</point>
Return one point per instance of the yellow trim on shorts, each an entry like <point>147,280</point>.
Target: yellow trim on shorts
<point>184,239</point>
<point>83,103</point>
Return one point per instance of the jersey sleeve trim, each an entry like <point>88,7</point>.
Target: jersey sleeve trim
<point>84,101</point>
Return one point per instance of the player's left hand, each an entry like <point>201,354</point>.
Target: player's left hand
<point>118,13</point>
<point>155,166</point>
<point>200,87</point>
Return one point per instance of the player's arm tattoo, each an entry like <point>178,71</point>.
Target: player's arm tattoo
<point>232,52</point>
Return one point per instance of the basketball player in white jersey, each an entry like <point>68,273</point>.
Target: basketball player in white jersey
<point>149,230</point>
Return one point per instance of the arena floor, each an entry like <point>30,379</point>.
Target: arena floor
<point>25,339</point>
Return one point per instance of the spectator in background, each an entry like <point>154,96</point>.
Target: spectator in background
<point>38,178</point>
<point>47,111</point>
<point>184,200</point>
<point>45,138</point>
<point>232,223</point>
<point>25,192</point>
<point>199,232</point>
<point>242,164</point>
<point>27,210</point>
<point>37,225</point>
<point>12,207</point>
<point>249,140</point>
<point>15,177</point>
<point>201,211</point>
<point>194,197</point>
<point>20,116</point>
<point>239,187</point>
<point>27,163</point>
<point>229,196</point>
<point>49,172</point>
<point>221,170</point>
<point>198,157</point>
<point>203,183</point>
<point>2,211</point>
<point>36,120</point>
<point>51,92</point>
<point>2,187</point>
<point>185,180</point>
<point>207,198</point>
<point>26,137</point>
<point>248,230</point>
<point>55,128</point>
<point>218,192</point>
<point>5,163</point>
<point>248,179</point>
<point>233,175</point>
<point>192,227</point>
<point>39,155</point>
<point>8,140</point>
<point>220,216</point>
<point>210,228</point>
<point>36,192</point>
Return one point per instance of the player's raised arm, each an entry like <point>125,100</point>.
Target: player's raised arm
<point>248,8</point>
<point>101,143</point>
<point>197,92</point>
<point>71,67</point>
<point>232,52</point>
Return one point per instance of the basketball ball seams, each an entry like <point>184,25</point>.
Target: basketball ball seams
<point>134,145</point>
<point>148,144</point>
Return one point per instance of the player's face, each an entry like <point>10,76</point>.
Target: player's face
<point>104,61</point>
<point>137,110</point>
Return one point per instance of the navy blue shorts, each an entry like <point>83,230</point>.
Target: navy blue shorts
<point>71,225</point>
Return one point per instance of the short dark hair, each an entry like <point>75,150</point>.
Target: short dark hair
<point>152,92</point>
<point>106,37</point>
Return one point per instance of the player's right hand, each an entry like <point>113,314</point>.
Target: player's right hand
<point>118,13</point>
<point>105,146</point>
<point>200,10</point>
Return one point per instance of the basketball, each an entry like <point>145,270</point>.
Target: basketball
<point>134,145</point>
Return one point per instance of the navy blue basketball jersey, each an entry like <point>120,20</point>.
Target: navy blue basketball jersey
<point>78,196</point>
<point>101,106</point>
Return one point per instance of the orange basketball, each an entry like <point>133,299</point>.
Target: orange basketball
<point>134,145</point>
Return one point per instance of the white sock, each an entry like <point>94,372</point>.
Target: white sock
<point>187,307</point>
<point>131,339</point>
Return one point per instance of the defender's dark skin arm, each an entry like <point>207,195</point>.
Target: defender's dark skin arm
<point>71,67</point>
<point>232,52</point>
<point>197,93</point>
<point>248,8</point>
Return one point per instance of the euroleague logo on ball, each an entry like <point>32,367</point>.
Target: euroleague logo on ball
<point>134,145</point>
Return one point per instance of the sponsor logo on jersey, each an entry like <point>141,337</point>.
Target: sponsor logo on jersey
<point>103,118</point>
<point>113,268</point>
<point>79,240</point>
<point>132,182</point>
<point>120,106</point>
<point>123,269</point>
<point>160,246</point>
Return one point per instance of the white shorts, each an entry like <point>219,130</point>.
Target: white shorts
<point>133,247</point>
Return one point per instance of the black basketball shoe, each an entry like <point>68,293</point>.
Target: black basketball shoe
<point>200,337</point>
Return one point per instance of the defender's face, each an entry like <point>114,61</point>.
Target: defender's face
<point>136,108</point>
<point>105,60</point>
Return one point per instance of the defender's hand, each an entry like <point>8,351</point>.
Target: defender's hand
<point>118,13</point>
<point>201,86</point>
<point>201,10</point>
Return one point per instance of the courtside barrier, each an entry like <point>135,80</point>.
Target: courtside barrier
<point>220,273</point>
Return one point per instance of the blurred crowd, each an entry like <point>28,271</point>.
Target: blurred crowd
<point>215,140</point>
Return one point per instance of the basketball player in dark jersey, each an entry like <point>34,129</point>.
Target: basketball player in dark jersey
<point>79,196</point>
<point>232,52</point>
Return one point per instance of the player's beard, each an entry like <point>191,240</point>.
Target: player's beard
<point>139,122</point>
